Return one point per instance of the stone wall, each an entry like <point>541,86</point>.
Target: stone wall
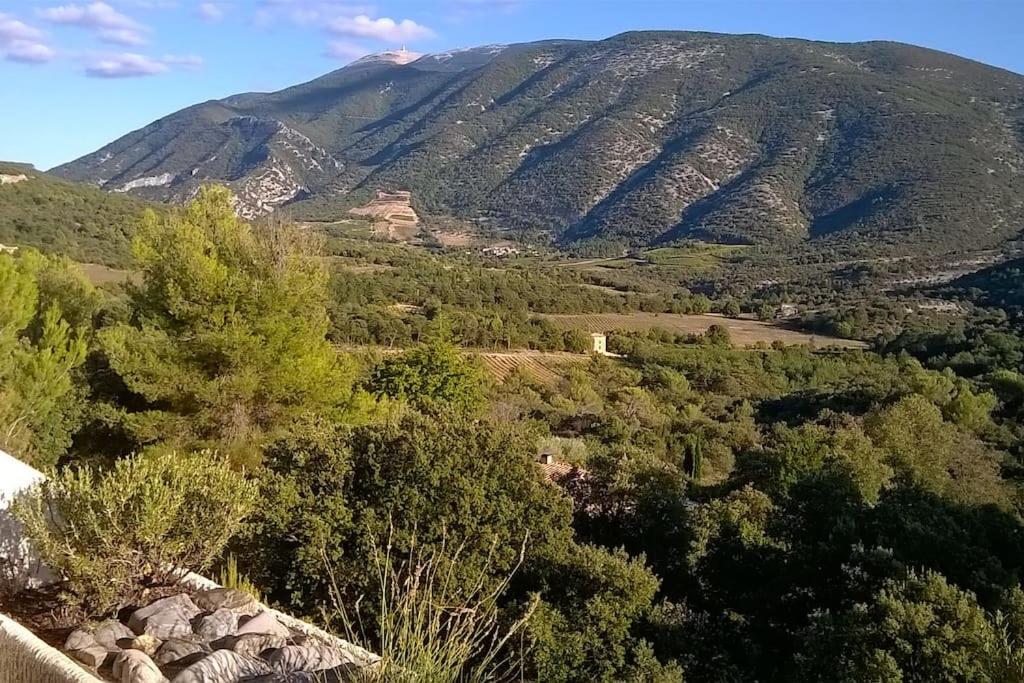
<point>24,658</point>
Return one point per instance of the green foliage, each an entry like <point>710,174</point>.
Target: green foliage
<point>917,629</point>
<point>718,335</point>
<point>430,629</point>
<point>582,630</point>
<point>434,377</point>
<point>40,349</point>
<point>146,522</point>
<point>227,341</point>
<point>933,453</point>
<point>229,576</point>
<point>420,482</point>
<point>58,217</point>
<point>793,455</point>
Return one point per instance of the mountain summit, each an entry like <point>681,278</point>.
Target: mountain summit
<point>639,138</point>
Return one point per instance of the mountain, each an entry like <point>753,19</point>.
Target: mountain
<point>56,216</point>
<point>641,138</point>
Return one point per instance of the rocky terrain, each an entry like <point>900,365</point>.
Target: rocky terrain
<point>640,138</point>
<point>211,636</point>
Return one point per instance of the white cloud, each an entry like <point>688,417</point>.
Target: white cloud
<point>121,36</point>
<point>150,4</point>
<point>307,12</point>
<point>133,65</point>
<point>124,65</point>
<point>190,62</point>
<point>211,11</point>
<point>345,50</point>
<point>108,23</point>
<point>12,29</point>
<point>20,42</point>
<point>383,29</point>
<point>29,52</point>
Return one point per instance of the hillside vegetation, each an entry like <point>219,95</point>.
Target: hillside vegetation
<point>686,510</point>
<point>640,138</point>
<point>60,217</point>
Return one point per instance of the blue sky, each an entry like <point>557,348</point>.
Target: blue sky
<point>76,74</point>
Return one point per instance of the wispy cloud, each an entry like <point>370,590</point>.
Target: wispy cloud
<point>190,62</point>
<point>345,50</point>
<point>315,13</point>
<point>384,29</point>
<point>109,24</point>
<point>133,65</point>
<point>28,52</point>
<point>20,42</point>
<point>211,11</point>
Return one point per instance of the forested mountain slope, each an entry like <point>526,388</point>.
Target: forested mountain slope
<point>636,139</point>
<point>55,216</point>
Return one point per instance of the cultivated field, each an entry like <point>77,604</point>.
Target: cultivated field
<point>744,332</point>
<point>392,215</point>
<point>542,366</point>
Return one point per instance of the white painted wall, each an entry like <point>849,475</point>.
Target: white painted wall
<point>18,565</point>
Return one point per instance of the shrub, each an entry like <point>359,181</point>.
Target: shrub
<point>430,628</point>
<point>146,522</point>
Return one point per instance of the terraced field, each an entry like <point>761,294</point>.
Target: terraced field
<point>744,332</point>
<point>542,366</point>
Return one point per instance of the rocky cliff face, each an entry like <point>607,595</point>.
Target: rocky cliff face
<point>635,139</point>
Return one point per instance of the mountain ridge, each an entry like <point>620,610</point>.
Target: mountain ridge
<point>640,138</point>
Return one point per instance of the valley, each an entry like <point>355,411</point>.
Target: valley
<point>670,356</point>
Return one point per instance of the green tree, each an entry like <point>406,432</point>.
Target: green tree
<point>792,454</point>
<point>917,629</point>
<point>922,447</point>
<point>420,482</point>
<point>227,343</point>
<point>584,628</point>
<point>40,394</point>
<point>718,335</point>
<point>433,377</point>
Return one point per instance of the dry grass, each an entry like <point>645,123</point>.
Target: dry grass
<point>744,332</point>
<point>454,239</point>
<point>104,275</point>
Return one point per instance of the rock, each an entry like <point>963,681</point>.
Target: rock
<point>223,666</point>
<point>264,623</point>
<point>79,640</point>
<point>110,632</point>
<point>177,649</point>
<point>145,643</point>
<point>166,618</point>
<point>239,602</point>
<point>82,646</point>
<point>252,644</point>
<point>221,623</point>
<point>135,666</point>
<point>317,657</point>
<point>339,674</point>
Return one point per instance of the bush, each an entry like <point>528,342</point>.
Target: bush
<point>146,522</point>
<point>429,628</point>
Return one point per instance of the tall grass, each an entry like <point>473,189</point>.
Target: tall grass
<point>432,628</point>
<point>230,577</point>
